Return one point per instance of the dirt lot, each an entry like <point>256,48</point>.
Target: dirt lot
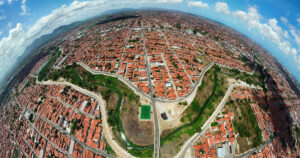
<point>112,101</point>
<point>139,132</point>
<point>171,148</point>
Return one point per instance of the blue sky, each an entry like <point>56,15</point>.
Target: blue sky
<point>275,25</point>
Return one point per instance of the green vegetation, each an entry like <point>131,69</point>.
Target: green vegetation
<point>178,26</point>
<point>297,129</point>
<point>195,30</point>
<point>133,40</point>
<point>209,95</point>
<point>256,79</point>
<point>16,153</point>
<point>74,126</point>
<point>145,112</point>
<point>183,103</point>
<point>214,124</point>
<point>46,69</point>
<point>245,124</point>
<point>175,65</point>
<point>195,123</point>
<point>199,111</point>
<point>107,86</point>
<point>108,148</point>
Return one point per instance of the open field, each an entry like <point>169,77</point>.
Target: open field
<point>47,67</point>
<point>145,112</point>
<point>245,124</point>
<point>137,131</point>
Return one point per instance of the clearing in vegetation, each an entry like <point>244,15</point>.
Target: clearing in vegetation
<point>145,112</point>
<point>122,102</point>
<point>208,96</point>
<point>51,61</point>
<point>245,124</point>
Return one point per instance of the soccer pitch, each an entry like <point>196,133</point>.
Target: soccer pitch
<point>145,112</point>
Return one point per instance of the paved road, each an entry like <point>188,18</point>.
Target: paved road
<point>156,124</point>
<point>262,146</point>
<point>193,90</point>
<point>18,145</point>
<point>97,151</point>
<point>170,76</point>
<point>168,44</point>
<point>251,151</point>
<point>74,108</point>
<point>116,147</point>
<point>208,122</point>
<point>128,83</point>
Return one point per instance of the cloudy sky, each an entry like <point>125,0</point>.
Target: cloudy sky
<point>273,24</point>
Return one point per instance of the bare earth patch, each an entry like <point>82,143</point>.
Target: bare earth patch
<point>139,132</point>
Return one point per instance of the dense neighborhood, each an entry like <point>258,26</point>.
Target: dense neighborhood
<point>251,108</point>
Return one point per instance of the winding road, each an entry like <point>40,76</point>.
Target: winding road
<point>208,122</point>
<point>107,133</point>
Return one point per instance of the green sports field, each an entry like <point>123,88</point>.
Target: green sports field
<point>145,112</point>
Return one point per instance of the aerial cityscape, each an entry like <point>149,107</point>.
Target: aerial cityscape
<point>145,83</point>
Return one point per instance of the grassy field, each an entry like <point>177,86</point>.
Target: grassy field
<point>145,112</point>
<point>114,92</point>
<point>46,69</point>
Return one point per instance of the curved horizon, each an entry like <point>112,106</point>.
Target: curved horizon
<point>280,38</point>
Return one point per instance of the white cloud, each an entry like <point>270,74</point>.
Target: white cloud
<point>10,1</point>
<point>169,1</point>
<point>9,25</point>
<point>273,23</point>
<point>1,2</point>
<point>198,4</point>
<point>297,60</point>
<point>8,43</point>
<point>24,8</point>
<point>285,46</point>
<point>293,51</point>
<point>252,17</point>
<point>1,32</point>
<point>19,38</point>
<point>2,15</point>
<point>284,20</point>
<point>293,31</point>
<point>272,31</point>
<point>240,14</point>
<point>222,7</point>
<point>296,34</point>
<point>298,21</point>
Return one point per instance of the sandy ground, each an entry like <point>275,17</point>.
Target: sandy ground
<point>173,111</point>
<point>188,153</point>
